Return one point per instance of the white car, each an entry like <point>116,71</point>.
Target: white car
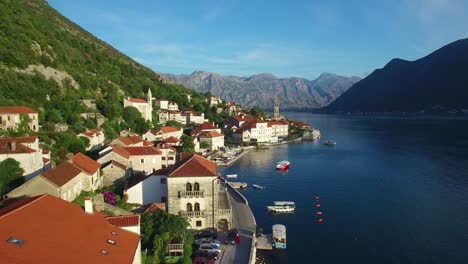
<point>212,248</point>
<point>208,241</point>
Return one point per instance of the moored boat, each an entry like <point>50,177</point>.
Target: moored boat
<point>282,207</point>
<point>283,165</point>
<point>231,176</point>
<point>256,186</point>
<point>330,143</point>
<point>279,236</point>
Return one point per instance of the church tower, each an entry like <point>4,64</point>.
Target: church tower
<point>149,96</point>
<point>276,114</point>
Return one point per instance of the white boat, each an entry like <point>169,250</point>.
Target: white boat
<point>231,175</point>
<point>256,186</point>
<point>279,236</point>
<point>330,143</point>
<point>282,207</point>
<point>283,165</point>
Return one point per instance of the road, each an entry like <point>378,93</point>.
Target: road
<point>243,220</point>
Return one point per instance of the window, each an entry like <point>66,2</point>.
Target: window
<point>188,187</point>
<point>196,207</point>
<point>163,199</point>
<point>196,187</point>
<point>163,158</point>
<point>142,161</point>
<point>164,166</point>
<point>199,223</point>
<point>171,158</point>
<point>189,207</point>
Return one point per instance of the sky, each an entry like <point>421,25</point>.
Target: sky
<point>285,38</point>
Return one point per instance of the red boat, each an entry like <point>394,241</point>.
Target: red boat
<point>283,165</point>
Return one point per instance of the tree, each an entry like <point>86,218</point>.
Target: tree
<point>174,124</point>
<point>257,111</point>
<point>131,114</point>
<point>204,145</point>
<point>188,145</point>
<point>11,175</point>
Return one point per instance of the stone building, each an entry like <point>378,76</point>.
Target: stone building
<point>10,117</point>
<point>144,107</point>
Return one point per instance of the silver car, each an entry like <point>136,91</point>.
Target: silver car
<point>212,248</point>
<point>208,241</point>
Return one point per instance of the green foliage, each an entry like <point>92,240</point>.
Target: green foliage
<point>174,124</point>
<point>188,145</point>
<point>204,145</point>
<point>257,111</point>
<point>79,200</point>
<point>134,120</point>
<point>11,175</point>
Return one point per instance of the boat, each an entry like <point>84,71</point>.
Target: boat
<point>258,186</point>
<point>279,236</point>
<point>283,165</point>
<point>231,176</point>
<point>330,143</point>
<point>282,207</point>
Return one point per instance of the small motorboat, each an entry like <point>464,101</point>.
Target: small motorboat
<point>283,165</point>
<point>279,236</point>
<point>282,207</point>
<point>330,143</point>
<point>231,176</point>
<point>256,186</point>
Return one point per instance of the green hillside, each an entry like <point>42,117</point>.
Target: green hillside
<point>33,33</point>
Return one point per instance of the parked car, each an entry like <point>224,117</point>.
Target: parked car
<point>231,238</point>
<point>210,248</point>
<point>207,241</point>
<point>206,233</point>
<point>207,255</point>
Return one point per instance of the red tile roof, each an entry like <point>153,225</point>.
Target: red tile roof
<point>124,220</point>
<point>277,123</point>
<point>45,161</point>
<point>62,173</point>
<point>210,134</point>
<point>169,129</point>
<point>131,140</point>
<point>13,146</point>
<point>193,165</point>
<point>119,165</point>
<point>92,133</point>
<point>16,110</point>
<point>85,163</point>
<point>137,100</point>
<point>153,207</point>
<point>172,139</point>
<point>120,151</point>
<point>56,231</point>
<point>139,151</point>
<point>206,126</point>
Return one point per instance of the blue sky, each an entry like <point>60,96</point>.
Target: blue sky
<point>286,38</point>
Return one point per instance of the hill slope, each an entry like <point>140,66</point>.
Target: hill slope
<point>45,55</point>
<point>259,90</point>
<point>438,81</point>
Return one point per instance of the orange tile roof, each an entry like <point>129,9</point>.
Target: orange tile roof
<point>120,151</point>
<point>118,165</point>
<point>280,123</point>
<point>62,173</point>
<point>56,231</point>
<point>131,140</point>
<point>172,139</point>
<point>169,129</point>
<point>137,100</point>
<point>153,207</point>
<point>193,165</point>
<point>206,126</point>
<point>16,110</point>
<point>85,163</point>
<point>210,134</point>
<point>45,160</point>
<point>139,151</point>
<point>6,146</point>
<point>124,220</point>
<point>92,133</point>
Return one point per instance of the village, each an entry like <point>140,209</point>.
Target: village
<point>170,168</point>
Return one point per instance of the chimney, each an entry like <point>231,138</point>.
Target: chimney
<point>88,205</point>
<point>13,146</point>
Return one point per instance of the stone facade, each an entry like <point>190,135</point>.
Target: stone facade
<point>10,117</point>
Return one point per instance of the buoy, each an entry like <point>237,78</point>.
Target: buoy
<point>320,220</point>
<point>317,205</point>
<point>317,197</point>
<point>319,213</point>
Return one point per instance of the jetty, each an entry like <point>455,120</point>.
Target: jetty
<point>238,185</point>
<point>264,242</point>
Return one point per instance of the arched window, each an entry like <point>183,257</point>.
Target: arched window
<point>197,207</point>
<point>189,207</point>
<point>196,187</point>
<point>188,187</point>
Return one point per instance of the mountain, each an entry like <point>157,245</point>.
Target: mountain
<point>48,63</point>
<point>260,89</point>
<point>437,82</point>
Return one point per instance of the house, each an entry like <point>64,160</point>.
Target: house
<point>148,189</point>
<point>163,133</point>
<point>242,135</point>
<point>214,101</point>
<point>240,119</point>
<point>214,139</point>
<point>65,181</point>
<point>131,141</point>
<point>260,132</point>
<point>172,141</point>
<point>113,172</point>
<point>26,150</point>
<point>144,159</point>
<point>205,127</point>
<point>196,143</point>
<point>279,128</point>
<point>145,107</point>
<point>10,117</point>
<point>177,116</point>
<point>231,108</point>
<point>130,223</point>
<point>96,139</point>
<point>168,155</point>
<point>45,229</point>
<point>194,117</point>
<point>167,105</point>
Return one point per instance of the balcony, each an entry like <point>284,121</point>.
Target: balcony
<point>225,212</point>
<point>190,194</point>
<point>192,213</point>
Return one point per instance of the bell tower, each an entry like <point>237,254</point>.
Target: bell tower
<point>276,114</point>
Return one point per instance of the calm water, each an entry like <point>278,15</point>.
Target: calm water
<point>393,190</point>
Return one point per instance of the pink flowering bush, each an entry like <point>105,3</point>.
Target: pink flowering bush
<point>109,197</point>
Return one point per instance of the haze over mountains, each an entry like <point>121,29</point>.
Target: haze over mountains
<point>435,83</point>
<point>259,90</point>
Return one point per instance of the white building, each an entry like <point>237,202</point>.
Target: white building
<point>214,101</point>
<point>279,128</point>
<point>194,117</point>
<point>214,139</point>
<point>242,135</point>
<point>163,133</point>
<point>32,158</point>
<point>167,105</point>
<point>144,159</point>
<point>10,117</point>
<point>96,139</point>
<point>131,141</point>
<point>144,107</point>
<point>150,189</point>
<point>260,132</point>
<point>177,116</point>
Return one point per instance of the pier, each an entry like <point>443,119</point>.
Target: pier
<point>264,242</point>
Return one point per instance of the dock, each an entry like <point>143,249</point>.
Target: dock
<point>238,185</point>
<point>264,242</point>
